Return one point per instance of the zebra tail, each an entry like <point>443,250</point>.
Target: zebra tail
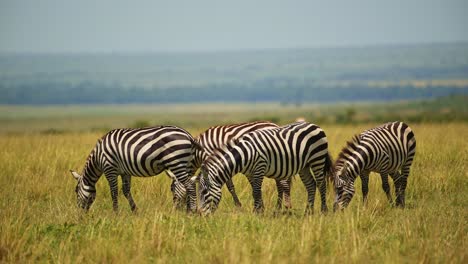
<point>196,145</point>
<point>328,168</point>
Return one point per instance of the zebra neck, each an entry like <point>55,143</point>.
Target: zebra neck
<point>92,170</point>
<point>228,173</point>
<point>200,157</point>
<point>224,173</point>
<point>355,164</point>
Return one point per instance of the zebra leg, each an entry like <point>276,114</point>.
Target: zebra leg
<point>191,190</point>
<point>181,177</point>
<point>400,186</point>
<point>287,192</point>
<point>183,174</point>
<point>386,186</point>
<point>365,186</point>
<point>232,190</point>
<point>191,196</point>
<point>257,194</point>
<point>126,185</point>
<point>284,192</point>
<point>397,182</point>
<point>177,189</point>
<point>322,186</point>
<point>320,181</point>
<point>112,179</point>
<point>279,202</point>
<point>310,185</point>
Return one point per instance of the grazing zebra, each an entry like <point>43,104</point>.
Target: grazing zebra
<point>277,153</point>
<point>218,137</point>
<point>351,146</point>
<point>386,149</point>
<point>138,152</point>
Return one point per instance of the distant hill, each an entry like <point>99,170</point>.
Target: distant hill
<point>378,73</point>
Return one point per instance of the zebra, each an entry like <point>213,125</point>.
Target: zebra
<point>386,149</point>
<point>140,152</point>
<point>277,153</point>
<point>346,151</point>
<point>218,137</point>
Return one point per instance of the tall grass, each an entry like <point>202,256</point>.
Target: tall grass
<point>39,220</point>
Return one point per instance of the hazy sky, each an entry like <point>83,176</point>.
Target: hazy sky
<point>199,25</point>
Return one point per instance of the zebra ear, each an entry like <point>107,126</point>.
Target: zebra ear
<point>75,175</point>
<point>196,178</point>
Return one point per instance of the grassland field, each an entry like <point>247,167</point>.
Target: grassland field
<point>39,221</point>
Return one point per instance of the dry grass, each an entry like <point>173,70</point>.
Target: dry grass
<point>39,220</point>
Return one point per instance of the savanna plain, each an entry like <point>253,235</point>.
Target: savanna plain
<point>39,220</point>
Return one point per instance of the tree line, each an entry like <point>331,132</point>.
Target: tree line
<point>96,93</point>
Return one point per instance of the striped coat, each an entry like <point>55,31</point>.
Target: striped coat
<point>141,152</point>
<point>218,137</point>
<point>388,149</point>
<point>275,153</point>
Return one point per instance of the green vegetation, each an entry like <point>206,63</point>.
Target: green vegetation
<point>297,76</point>
<point>39,221</point>
<point>101,118</point>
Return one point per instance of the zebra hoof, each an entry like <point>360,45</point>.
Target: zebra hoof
<point>258,210</point>
<point>309,212</point>
<point>192,211</point>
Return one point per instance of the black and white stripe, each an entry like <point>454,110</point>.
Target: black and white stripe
<point>275,153</point>
<point>388,149</point>
<point>218,137</point>
<point>139,152</point>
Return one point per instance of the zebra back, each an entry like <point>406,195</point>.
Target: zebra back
<point>390,144</point>
<point>285,149</point>
<point>218,137</point>
<point>138,151</point>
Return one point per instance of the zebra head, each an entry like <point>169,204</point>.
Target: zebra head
<point>85,194</point>
<point>209,192</point>
<point>344,186</point>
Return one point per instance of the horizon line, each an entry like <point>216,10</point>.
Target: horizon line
<point>239,50</point>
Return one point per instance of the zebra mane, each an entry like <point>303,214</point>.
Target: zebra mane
<point>346,151</point>
<point>91,155</point>
<point>218,153</point>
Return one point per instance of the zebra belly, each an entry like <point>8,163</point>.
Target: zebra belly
<point>386,170</point>
<point>280,175</point>
<point>145,173</point>
<point>140,168</point>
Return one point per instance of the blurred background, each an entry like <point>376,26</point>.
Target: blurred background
<point>95,65</point>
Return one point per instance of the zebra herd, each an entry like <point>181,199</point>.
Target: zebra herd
<point>257,150</point>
